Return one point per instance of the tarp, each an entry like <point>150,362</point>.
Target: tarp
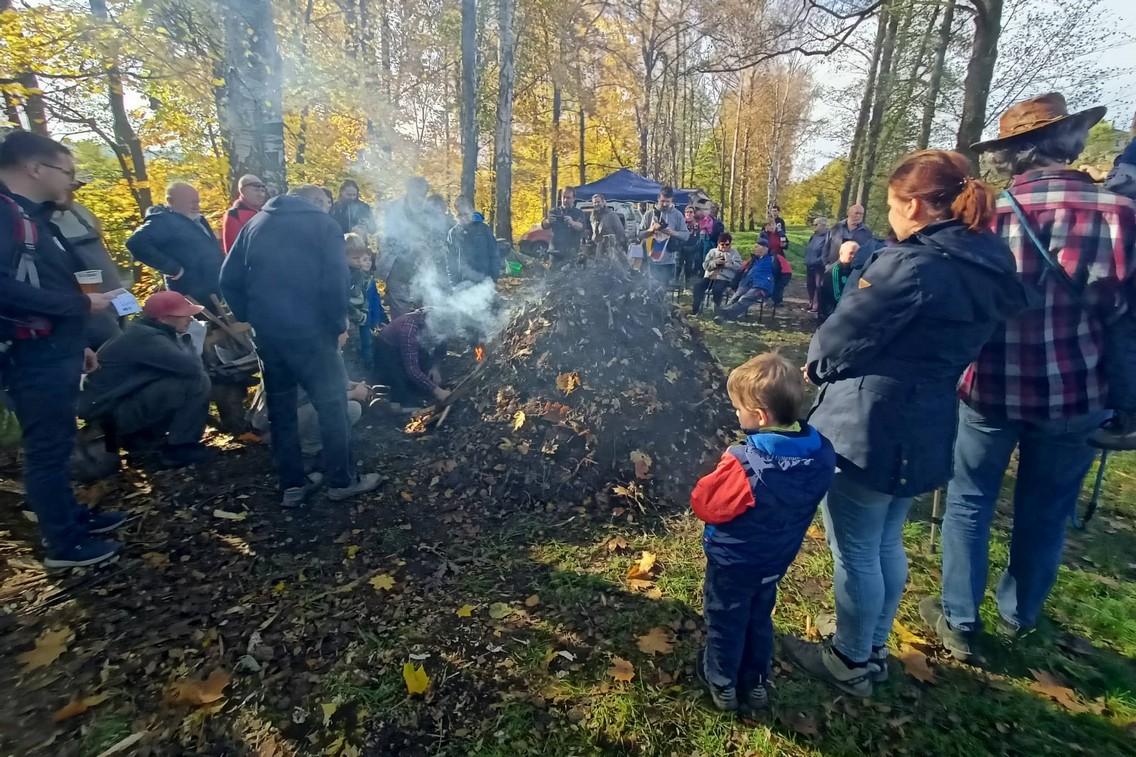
<point>628,186</point>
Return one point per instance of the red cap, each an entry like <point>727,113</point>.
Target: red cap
<point>169,304</point>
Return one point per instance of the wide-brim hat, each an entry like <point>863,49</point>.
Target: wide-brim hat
<point>1034,115</point>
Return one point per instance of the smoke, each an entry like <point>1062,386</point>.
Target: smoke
<point>412,260</point>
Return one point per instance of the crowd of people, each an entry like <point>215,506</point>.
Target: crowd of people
<point>987,322</point>
<point>297,271</point>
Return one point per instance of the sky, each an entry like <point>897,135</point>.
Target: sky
<point>1119,92</point>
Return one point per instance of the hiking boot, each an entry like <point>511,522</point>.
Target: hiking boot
<point>81,555</point>
<point>725,700</point>
<point>822,662</point>
<point>184,455</point>
<point>756,699</point>
<point>102,522</point>
<point>961,644</point>
<point>367,482</point>
<point>1012,630</point>
<point>294,496</point>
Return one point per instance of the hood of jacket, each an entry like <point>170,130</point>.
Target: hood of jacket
<point>289,204</point>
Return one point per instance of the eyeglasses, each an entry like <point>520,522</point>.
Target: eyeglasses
<point>254,186</point>
<point>68,172</point>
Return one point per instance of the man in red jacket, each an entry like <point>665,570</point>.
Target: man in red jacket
<point>252,193</point>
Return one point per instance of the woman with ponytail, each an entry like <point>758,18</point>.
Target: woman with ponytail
<point>886,363</point>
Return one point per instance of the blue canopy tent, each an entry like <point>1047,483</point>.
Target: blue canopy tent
<point>628,186</point>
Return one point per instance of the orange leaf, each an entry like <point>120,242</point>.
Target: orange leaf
<point>915,664</point>
<point>642,569</point>
<point>197,692</point>
<point>78,706</point>
<point>616,544</point>
<point>657,641</point>
<point>568,382</point>
<point>621,670</point>
<point>48,647</point>
<point>642,462</point>
<point>1046,685</point>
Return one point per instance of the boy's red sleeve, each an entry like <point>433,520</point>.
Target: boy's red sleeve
<point>722,495</point>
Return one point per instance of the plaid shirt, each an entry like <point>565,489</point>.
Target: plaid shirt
<point>1045,364</point>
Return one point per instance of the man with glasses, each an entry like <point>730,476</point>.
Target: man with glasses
<point>43,313</point>
<point>252,193</point>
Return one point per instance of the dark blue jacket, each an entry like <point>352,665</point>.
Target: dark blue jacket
<point>888,358</point>
<point>759,274</point>
<point>170,242</point>
<point>758,503</point>
<point>58,298</point>
<point>287,272</point>
<point>840,233</point>
<point>473,254</point>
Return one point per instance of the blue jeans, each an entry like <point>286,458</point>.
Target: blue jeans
<point>741,307</point>
<point>1053,458</point>
<point>43,384</point>
<point>367,349</point>
<point>738,608</point>
<point>864,528</point>
<point>317,366</point>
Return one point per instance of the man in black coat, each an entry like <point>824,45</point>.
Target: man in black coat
<point>43,315</point>
<point>151,383</point>
<point>851,229</point>
<point>287,276</point>
<point>176,241</point>
<point>472,248</point>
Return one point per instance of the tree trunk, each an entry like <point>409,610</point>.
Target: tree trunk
<point>936,82</point>
<point>858,136</point>
<point>469,98</point>
<point>12,109</point>
<point>745,173</point>
<point>583,144</point>
<point>643,112</point>
<point>979,73</point>
<point>503,139</point>
<point>734,158</point>
<point>253,108</point>
<point>124,134</point>
<point>554,168</point>
<point>875,126</point>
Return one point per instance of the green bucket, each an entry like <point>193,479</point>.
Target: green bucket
<point>514,267</point>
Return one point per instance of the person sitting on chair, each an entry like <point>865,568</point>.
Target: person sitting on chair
<point>756,285</point>
<point>720,267</point>
<point>151,384</point>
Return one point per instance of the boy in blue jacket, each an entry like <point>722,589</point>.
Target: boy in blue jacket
<point>364,304</point>
<point>757,505</point>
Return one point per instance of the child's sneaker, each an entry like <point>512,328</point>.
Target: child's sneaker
<point>726,699</point>
<point>878,665</point>
<point>756,699</point>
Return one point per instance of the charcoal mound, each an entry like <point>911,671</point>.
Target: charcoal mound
<point>596,392</point>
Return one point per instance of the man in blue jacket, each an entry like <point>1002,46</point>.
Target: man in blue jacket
<point>287,276</point>
<point>43,315</point>
<point>178,242</point>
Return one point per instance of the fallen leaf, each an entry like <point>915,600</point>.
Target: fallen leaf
<point>811,631</point>
<point>382,581</point>
<point>465,611</point>
<point>616,544</point>
<point>802,722</point>
<point>156,559</point>
<point>1047,685</point>
<point>532,601</point>
<point>906,635</point>
<point>657,641</point>
<point>621,670</point>
<point>638,584</point>
<point>48,647</point>
<point>226,515</point>
<point>124,744</point>
<point>279,587</point>
<point>642,462</point>
<point>197,692</point>
<point>568,382</point>
<point>671,376</point>
<point>499,610</point>
<point>915,664</point>
<point>815,532</point>
<point>642,569</point>
<point>78,706</point>
<point>654,593</point>
<point>417,682</point>
<point>518,420</point>
<point>328,709</point>
<point>352,550</point>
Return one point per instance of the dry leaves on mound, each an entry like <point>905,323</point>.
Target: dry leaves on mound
<point>657,641</point>
<point>196,692</point>
<point>48,647</point>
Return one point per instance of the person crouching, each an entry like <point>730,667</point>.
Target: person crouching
<point>151,386</point>
<point>757,505</point>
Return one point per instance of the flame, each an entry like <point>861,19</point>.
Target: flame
<point>479,352</point>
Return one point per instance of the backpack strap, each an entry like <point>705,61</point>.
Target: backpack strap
<point>28,236</point>
<point>1052,267</point>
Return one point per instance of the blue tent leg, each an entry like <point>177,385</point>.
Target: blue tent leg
<point>1080,521</point>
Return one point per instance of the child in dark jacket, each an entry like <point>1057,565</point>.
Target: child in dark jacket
<point>365,306</point>
<point>757,505</point>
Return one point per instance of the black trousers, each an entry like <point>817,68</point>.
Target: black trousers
<point>717,289</point>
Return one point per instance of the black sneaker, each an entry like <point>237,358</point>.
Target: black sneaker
<point>755,700</point>
<point>102,522</point>
<point>90,552</point>
<point>961,644</point>
<point>726,701</point>
<point>184,455</point>
<point>366,482</point>
<point>821,661</point>
<point>1012,630</point>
